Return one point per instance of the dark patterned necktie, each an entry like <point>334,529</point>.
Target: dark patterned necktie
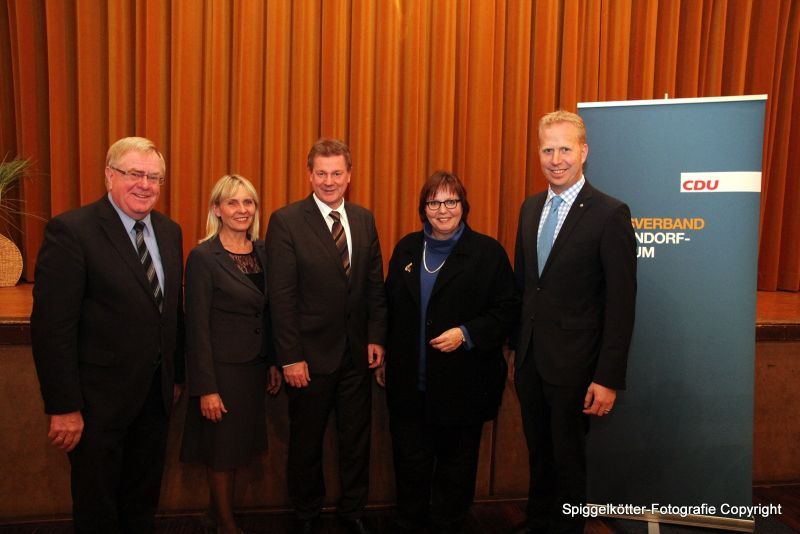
<point>340,238</point>
<point>147,263</point>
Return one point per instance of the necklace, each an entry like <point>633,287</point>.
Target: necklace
<point>425,262</point>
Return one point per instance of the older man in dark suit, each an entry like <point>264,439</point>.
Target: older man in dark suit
<point>328,307</point>
<point>576,267</point>
<point>106,330</point>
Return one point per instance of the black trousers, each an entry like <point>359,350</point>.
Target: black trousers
<point>555,430</point>
<point>348,391</point>
<point>435,468</point>
<point>116,472</point>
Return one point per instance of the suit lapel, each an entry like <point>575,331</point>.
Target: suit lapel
<point>224,260</point>
<point>411,262</point>
<point>319,228</point>
<point>115,231</point>
<point>261,251</point>
<point>576,211</point>
<point>171,262</point>
<point>355,221</point>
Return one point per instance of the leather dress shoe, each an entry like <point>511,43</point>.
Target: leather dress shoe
<point>522,528</point>
<point>355,525</point>
<point>400,527</point>
<point>304,526</point>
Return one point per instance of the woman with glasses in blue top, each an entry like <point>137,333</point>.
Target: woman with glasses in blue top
<point>452,303</point>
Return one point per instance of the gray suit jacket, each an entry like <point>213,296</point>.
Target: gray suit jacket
<point>227,316</point>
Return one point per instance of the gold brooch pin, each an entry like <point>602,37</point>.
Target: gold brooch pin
<point>408,267</point>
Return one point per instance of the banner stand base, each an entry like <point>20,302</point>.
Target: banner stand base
<point>702,521</point>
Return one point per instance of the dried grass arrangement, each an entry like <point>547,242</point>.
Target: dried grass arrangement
<point>11,174</point>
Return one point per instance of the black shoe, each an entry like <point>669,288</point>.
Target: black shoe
<point>522,528</point>
<point>355,525</point>
<point>401,527</point>
<point>304,526</point>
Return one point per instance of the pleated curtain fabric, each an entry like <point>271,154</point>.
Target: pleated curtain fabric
<point>412,87</point>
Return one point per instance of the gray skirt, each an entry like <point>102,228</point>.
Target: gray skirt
<point>242,433</point>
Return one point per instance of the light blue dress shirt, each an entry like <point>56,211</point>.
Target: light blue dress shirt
<point>149,239</point>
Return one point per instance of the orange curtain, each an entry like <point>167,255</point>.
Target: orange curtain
<point>412,85</point>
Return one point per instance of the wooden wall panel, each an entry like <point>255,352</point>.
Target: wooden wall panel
<point>776,428</point>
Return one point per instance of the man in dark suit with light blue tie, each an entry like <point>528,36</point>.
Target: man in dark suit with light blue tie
<point>107,339</point>
<point>328,306</point>
<point>575,264</point>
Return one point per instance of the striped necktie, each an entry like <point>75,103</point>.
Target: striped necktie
<point>147,263</point>
<point>340,238</point>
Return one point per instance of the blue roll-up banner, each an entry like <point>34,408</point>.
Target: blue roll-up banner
<point>679,443</point>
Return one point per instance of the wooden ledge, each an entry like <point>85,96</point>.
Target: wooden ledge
<point>777,315</point>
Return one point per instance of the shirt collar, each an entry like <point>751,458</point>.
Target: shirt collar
<point>569,195</point>
<point>326,210</point>
<point>128,221</point>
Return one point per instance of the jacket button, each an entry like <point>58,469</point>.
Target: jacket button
<point>258,314</point>
<point>258,330</point>
<point>428,322</point>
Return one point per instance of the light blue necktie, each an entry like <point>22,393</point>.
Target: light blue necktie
<point>548,232</point>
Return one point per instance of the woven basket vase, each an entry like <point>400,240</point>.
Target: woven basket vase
<point>10,262</point>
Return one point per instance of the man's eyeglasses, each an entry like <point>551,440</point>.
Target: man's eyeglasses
<point>450,203</point>
<point>136,176</point>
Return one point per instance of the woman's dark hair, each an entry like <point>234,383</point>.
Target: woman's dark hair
<point>443,180</point>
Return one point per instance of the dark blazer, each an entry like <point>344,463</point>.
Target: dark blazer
<point>96,331</point>
<point>227,316</point>
<point>580,312</point>
<point>475,288</point>
<point>317,311</point>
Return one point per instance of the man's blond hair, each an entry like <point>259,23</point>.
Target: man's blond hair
<point>560,116</point>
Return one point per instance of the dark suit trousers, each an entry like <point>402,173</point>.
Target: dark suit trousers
<point>347,391</point>
<point>435,468</point>
<point>555,430</point>
<point>116,472</point>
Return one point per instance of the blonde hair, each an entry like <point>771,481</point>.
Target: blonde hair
<point>556,117</point>
<point>225,188</point>
<point>132,144</point>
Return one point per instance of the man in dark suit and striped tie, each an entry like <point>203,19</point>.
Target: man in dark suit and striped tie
<point>107,339</point>
<point>328,308</point>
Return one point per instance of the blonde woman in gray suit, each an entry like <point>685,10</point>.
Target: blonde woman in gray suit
<point>229,353</point>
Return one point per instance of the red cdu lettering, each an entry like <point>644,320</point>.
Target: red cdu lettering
<point>700,185</point>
